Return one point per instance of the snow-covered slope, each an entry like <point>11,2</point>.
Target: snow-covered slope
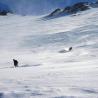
<point>43,71</point>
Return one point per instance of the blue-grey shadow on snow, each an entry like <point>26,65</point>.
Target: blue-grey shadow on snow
<point>35,65</point>
<point>65,97</point>
<point>22,66</point>
<point>90,91</point>
<point>1,95</point>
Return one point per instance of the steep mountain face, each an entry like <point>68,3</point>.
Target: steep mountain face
<point>75,8</point>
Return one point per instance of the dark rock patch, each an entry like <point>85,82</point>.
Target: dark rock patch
<point>4,10</point>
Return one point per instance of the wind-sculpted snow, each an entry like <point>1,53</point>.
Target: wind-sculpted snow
<point>43,71</point>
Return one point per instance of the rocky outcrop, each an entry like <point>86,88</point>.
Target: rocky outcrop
<point>55,12</point>
<point>81,6</point>
<point>4,9</point>
<point>3,13</point>
<point>75,8</point>
<point>67,10</point>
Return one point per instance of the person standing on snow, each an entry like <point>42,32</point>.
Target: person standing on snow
<point>15,63</point>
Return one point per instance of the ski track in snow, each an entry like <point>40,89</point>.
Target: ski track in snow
<point>43,71</point>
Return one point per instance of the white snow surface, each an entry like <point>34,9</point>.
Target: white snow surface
<point>43,72</point>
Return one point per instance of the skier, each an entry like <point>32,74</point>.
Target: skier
<point>15,63</point>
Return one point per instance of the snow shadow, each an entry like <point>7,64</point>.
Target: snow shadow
<point>6,67</point>
<point>89,91</point>
<point>86,90</point>
<point>21,95</point>
<point>35,65</point>
<point>1,95</point>
<point>64,97</point>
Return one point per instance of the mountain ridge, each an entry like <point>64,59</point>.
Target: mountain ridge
<point>75,8</point>
<point>38,7</point>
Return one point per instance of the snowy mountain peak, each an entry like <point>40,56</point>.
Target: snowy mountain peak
<point>73,9</point>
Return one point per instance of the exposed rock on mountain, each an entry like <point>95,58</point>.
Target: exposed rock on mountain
<point>56,12</point>
<point>94,4</point>
<point>4,9</point>
<point>4,12</point>
<point>81,6</point>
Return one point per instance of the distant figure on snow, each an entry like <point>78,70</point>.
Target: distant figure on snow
<point>15,63</point>
<point>70,48</point>
<point>66,50</point>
